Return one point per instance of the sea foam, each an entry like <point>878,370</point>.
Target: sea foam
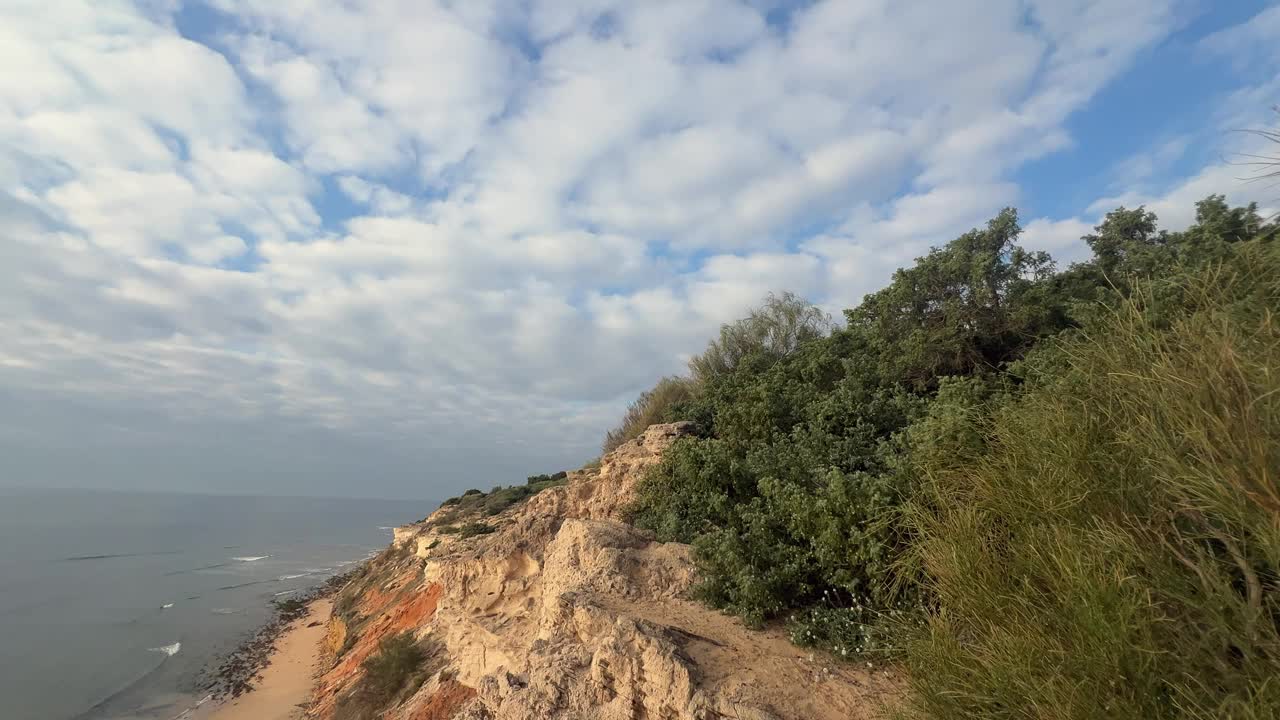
<point>251,558</point>
<point>169,650</point>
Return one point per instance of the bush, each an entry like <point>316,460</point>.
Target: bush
<point>795,496</point>
<point>345,606</point>
<point>474,528</point>
<point>776,329</point>
<point>472,491</point>
<point>396,671</point>
<point>1112,550</point>
<point>658,404</point>
<point>477,504</point>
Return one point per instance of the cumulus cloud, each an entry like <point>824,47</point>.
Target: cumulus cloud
<point>444,243</point>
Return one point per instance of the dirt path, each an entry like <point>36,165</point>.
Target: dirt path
<point>763,667</point>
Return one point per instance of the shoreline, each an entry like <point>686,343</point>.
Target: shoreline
<point>286,682</point>
<point>237,671</point>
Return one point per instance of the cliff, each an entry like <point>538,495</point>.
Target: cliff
<point>556,608</point>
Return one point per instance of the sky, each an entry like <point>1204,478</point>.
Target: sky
<point>406,247</point>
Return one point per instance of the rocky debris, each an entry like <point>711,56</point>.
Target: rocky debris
<point>613,489</point>
<point>567,612</point>
<point>242,667</point>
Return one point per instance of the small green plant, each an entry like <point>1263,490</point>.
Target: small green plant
<point>398,669</point>
<point>476,504</point>
<point>472,491</point>
<point>474,528</point>
<point>344,607</point>
<point>448,530</point>
<point>434,544</point>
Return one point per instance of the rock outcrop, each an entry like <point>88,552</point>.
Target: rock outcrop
<point>565,611</point>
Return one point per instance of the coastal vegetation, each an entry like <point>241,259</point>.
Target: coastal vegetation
<point>475,503</point>
<point>1045,492</point>
<point>397,670</point>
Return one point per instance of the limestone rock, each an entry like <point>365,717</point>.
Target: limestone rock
<point>566,612</point>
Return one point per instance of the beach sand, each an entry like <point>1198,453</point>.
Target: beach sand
<point>287,682</point>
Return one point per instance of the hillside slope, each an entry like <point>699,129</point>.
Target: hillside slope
<point>563,610</point>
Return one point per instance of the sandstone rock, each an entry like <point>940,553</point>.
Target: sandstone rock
<point>566,612</point>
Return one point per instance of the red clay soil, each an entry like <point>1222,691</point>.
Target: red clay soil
<point>412,610</point>
<point>445,702</point>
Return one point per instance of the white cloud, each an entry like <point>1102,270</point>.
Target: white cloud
<point>1059,238</point>
<point>465,233</point>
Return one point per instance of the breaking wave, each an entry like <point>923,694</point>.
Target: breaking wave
<point>251,558</point>
<point>168,650</point>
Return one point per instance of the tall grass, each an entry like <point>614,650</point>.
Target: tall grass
<point>1113,549</point>
<point>653,406</point>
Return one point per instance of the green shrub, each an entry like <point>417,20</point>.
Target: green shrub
<point>448,530</point>
<point>661,403</point>
<point>345,606</point>
<point>474,528</point>
<point>545,478</point>
<point>472,491</point>
<point>780,325</point>
<point>398,669</point>
<point>477,504</point>
<point>794,497</point>
<point>1112,550</point>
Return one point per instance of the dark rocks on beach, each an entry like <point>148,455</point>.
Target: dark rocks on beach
<point>243,666</point>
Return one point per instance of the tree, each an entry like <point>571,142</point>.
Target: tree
<point>1122,236</point>
<point>977,302</point>
<point>772,331</point>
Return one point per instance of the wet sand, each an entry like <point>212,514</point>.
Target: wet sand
<point>287,682</point>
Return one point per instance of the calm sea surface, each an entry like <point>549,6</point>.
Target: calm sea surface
<point>114,604</point>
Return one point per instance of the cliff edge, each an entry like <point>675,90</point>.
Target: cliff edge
<point>556,608</point>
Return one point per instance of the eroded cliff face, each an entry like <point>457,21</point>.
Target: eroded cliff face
<point>565,611</point>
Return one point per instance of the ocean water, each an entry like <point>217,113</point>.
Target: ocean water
<point>115,604</point>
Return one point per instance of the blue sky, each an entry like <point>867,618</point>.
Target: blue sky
<point>406,247</point>
<point>1173,90</point>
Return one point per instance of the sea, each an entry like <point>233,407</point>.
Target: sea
<point>118,605</point>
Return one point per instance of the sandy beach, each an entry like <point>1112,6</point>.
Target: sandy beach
<point>287,682</point>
